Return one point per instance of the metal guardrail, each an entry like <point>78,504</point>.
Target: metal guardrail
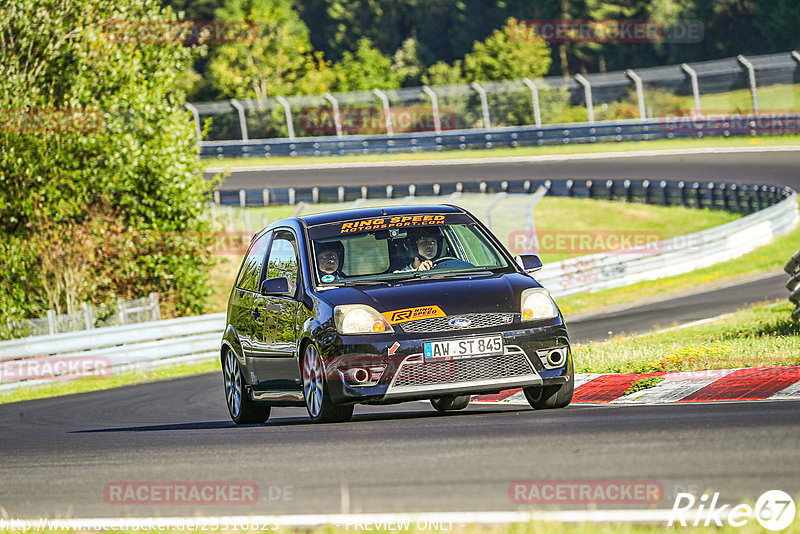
<point>792,267</point>
<point>41,359</point>
<point>512,136</point>
<point>741,198</point>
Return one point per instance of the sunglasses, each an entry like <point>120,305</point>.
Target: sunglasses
<point>329,255</point>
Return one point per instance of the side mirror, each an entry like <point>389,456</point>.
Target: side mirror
<point>280,286</point>
<point>530,263</point>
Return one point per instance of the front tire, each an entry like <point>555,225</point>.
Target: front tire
<point>450,404</point>
<point>315,390</point>
<point>243,410</point>
<point>551,397</point>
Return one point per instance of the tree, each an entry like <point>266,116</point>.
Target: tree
<point>443,74</point>
<point>97,156</point>
<point>278,60</point>
<point>505,56</point>
<point>366,69</point>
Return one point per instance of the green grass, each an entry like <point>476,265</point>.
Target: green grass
<point>644,383</point>
<point>774,98</point>
<point>627,146</point>
<point>762,260</point>
<point>114,380</point>
<point>763,335</point>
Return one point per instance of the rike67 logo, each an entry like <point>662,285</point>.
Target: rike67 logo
<point>774,510</point>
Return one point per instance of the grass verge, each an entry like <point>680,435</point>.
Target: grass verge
<point>626,146</point>
<point>753,337</point>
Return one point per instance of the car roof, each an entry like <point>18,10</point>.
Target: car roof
<point>374,213</point>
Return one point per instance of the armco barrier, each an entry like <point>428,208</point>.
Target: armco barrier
<point>511,136</point>
<point>195,338</point>
<point>740,198</point>
<point>110,349</point>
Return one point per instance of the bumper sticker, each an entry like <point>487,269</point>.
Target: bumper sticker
<point>412,314</point>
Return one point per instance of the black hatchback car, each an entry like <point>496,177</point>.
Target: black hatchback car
<point>379,306</point>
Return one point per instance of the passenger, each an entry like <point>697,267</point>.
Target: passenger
<point>330,257</point>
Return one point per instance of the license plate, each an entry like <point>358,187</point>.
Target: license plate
<point>463,348</point>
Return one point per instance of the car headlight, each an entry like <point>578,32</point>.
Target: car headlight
<point>360,319</point>
<point>537,304</point>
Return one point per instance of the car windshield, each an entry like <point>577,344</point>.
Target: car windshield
<point>435,246</point>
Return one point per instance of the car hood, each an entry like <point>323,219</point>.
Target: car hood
<point>481,294</point>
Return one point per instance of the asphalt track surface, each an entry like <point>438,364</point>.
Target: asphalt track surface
<point>57,456</point>
<point>778,168</point>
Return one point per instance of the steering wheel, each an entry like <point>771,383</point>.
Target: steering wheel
<point>437,261</point>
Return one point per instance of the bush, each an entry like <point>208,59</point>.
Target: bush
<point>97,155</point>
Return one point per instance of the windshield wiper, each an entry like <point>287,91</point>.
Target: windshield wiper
<point>350,283</point>
<point>450,274</point>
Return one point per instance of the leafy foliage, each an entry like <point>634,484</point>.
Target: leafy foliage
<point>503,57</point>
<point>97,155</point>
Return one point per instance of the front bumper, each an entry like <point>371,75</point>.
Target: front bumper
<point>407,376</point>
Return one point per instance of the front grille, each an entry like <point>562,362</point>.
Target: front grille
<point>465,370</point>
<point>442,324</point>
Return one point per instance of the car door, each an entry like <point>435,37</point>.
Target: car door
<point>277,369</point>
<point>246,308</point>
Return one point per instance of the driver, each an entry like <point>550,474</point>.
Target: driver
<point>424,247</point>
<point>330,256</point>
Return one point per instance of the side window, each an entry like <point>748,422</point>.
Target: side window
<point>283,257</point>
<point>250,272</point>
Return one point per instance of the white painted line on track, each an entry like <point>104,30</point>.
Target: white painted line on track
<point>427,521</point>
<point>507,159</point>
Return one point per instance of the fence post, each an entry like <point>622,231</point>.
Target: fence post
<point>639,91</point>
<point>484,104</point>
<point>242,123</point>
<point>389,191</point>
<point>569,184</point>
<point>698,197</point>
<point>292,195</point>
<point>664,193</point>
<point>537,115</point>
<point>695,86</point>
<point>51,321</point>
<point>242,198</point>
<point>437,125</point>
<point>88,316</point>
<point>123,319</point>
<point>646,191</point>
<point>610,188</point>
<point>337,118</point>
<point>751,74</point>
<point>587,91</point>
<point>589,185</point>
<point>627,185</point>
<point>265,197</point>
<point>287,111</point>
<point>497,198</point>
<point>387,111</point>
<point>156,308</point>
<point>315,195</point>
<point>340,193</point>
<point>196,116</point>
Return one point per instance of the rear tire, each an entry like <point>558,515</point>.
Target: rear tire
<point>315,390</point>
<point>551,397</point>
<point>243,411</point>
<point>450,404</point>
